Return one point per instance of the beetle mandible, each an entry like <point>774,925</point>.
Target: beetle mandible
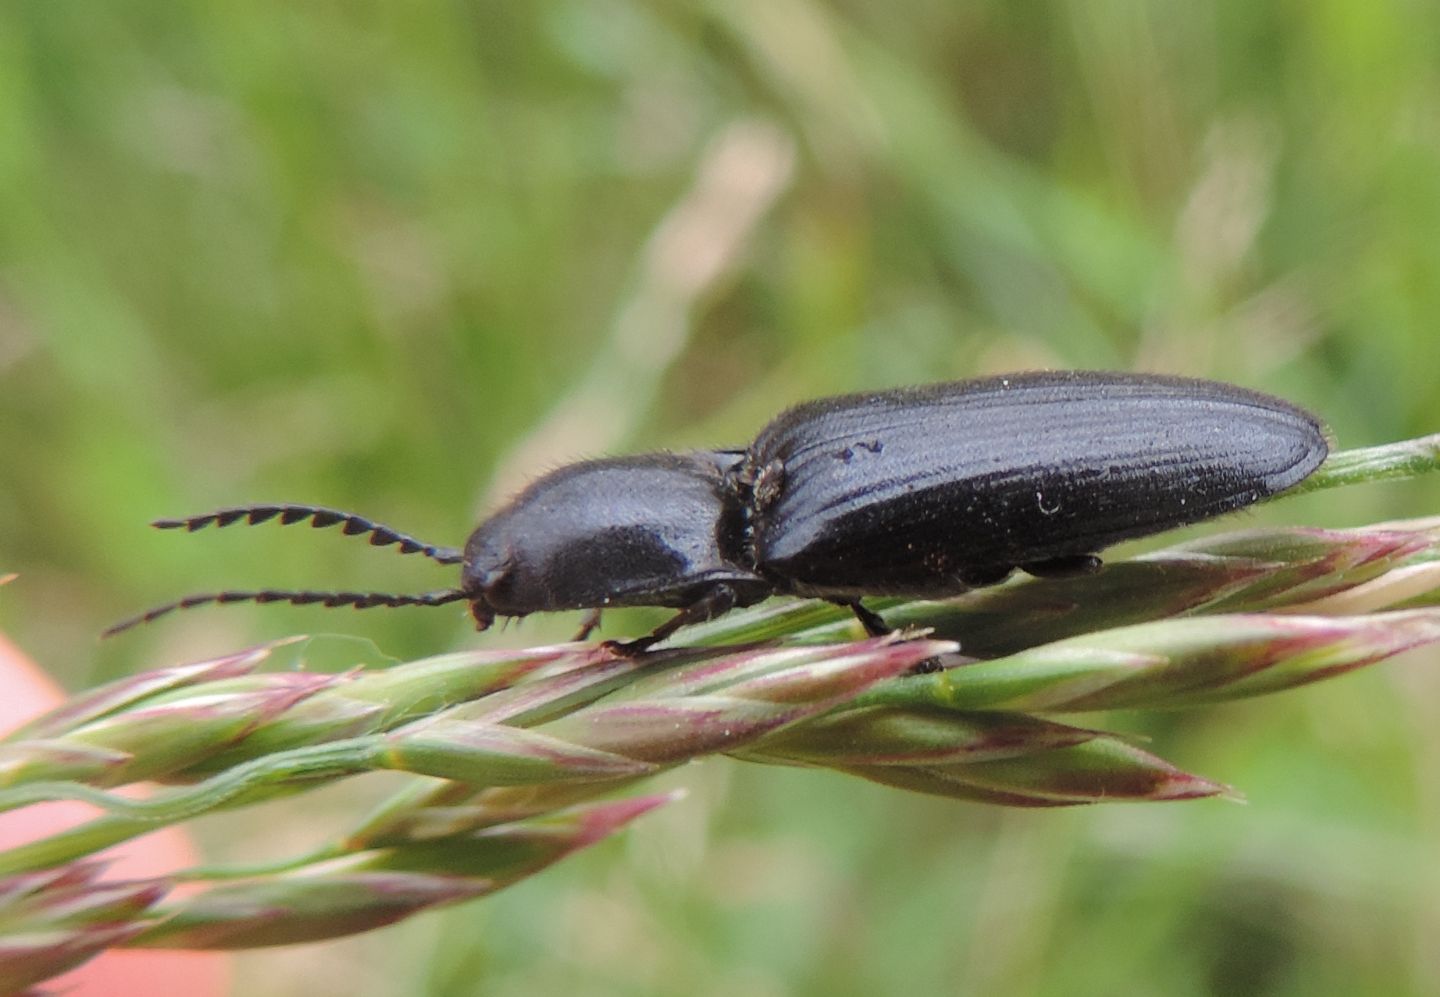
<point>923,492</point>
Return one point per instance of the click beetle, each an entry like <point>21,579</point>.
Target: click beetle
<point>923,492</point>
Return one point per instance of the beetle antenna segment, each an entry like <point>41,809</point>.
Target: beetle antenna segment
<point>318,516</point>
<point>303,597</point>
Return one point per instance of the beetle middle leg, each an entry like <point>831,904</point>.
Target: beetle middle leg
<point>873,622</point>
<point>716,601</point>
<point>876,626</point>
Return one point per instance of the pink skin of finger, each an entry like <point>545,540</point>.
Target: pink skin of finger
<point>26,691</point>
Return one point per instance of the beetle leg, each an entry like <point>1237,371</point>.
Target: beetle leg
<point>984,577</point>
<point>1070,566</point>
<point>875,626</point>
<point>716,602</point>
<point>872,621</point>
<point>588,624</point>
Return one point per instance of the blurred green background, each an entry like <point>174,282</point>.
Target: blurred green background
<point>397,257</point>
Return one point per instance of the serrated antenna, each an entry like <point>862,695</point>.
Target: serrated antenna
<point>318,517</point>
<point>296,597</point>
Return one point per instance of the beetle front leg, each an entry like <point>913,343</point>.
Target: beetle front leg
<point>716,602</point>
<point>588,623</point>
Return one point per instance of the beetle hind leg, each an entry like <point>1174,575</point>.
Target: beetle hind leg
<point>1069,566</point>
<point>983,576</point>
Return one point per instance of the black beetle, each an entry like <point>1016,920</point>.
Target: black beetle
<point>922,492</point>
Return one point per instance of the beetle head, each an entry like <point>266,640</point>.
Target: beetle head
<point>487,573</point>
